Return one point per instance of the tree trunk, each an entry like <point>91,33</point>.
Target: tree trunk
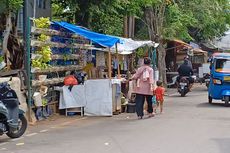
<point>16,51</point>
<point>133,28</point>
<point>125,26</point>
<point>131,23</point>
<point>6,37</point>
<point>2,23</point>
<point>15,25</point>
<point>12,48</point>
<point>154,19</point>
<point>161,63</point>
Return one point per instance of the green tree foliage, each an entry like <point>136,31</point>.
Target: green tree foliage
<point>184,19</point>
<point>212,17</point>
<point>161,20</point>
<point>103,16</point>
<point>177,22</point>
<point>10,5</point>
<point>7,7</point>
<point>106,17</point>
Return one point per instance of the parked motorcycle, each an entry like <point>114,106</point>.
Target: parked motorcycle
<point>183,86</point>
<point>12,120</point>
<point>207,79</point>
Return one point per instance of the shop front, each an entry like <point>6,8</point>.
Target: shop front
<point>176,51</point>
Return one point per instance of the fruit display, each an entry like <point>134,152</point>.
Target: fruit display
<point>42,22</point>
<point>46,54</point>
<point>54,50</point>
<point>45,57</point>
<point>37,63</point>
<point>54,54</point>
<point>43,37</point>
<point>66,57</point>
<point>44,51</point>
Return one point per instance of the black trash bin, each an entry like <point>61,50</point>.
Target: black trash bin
<point>131,107</point>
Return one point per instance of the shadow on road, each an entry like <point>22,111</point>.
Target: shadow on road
<point>177,95</point>
<point>223,144</point>
<point>206,104</point>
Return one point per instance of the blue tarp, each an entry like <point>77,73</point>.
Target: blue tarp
<point>101,39</point>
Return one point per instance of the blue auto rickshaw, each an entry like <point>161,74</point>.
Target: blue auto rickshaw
<point>219,87</point>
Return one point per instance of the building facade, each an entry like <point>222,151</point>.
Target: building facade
<point>36,9</point>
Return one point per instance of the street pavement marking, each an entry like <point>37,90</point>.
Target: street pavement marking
<point>66,123</point>
<point>20,144</point>
<point>17,139</point>
<point>78,119</point>
<point>83,118</point>
<point>31,134</point>
<point>1,144</point>
<point>43,131</point>
<point>57,127</point>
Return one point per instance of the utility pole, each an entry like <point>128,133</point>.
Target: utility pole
<point>25,26</point>
<point>26,43</point>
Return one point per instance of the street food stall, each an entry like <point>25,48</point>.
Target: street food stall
<point>111,48</point>
<point>58,48</point>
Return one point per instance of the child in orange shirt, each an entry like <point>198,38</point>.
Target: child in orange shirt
<point>159,92</point>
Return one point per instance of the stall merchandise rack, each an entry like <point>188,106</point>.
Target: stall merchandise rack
<point>68,54</point>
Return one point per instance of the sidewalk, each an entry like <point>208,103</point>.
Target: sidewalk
<point>52,122</point>
<point>58,120</point>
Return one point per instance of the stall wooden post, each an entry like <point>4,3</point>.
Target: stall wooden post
<point>109,65</point>
<point>118,68</point>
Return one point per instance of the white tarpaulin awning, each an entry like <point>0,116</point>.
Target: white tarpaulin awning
<point>223,42</point>
<point>128,45</point>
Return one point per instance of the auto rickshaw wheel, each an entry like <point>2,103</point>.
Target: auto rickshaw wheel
<point>209,99</point>
<point>226,100</point>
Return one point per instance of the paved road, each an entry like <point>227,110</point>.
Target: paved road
<point>189,125</point>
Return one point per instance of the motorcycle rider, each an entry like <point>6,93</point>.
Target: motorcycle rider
<point>185,70</point>
<point>189,62</point>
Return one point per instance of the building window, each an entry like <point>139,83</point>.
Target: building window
<point>20,20</point>
<point>44,4</point>
<point>41,4</point>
